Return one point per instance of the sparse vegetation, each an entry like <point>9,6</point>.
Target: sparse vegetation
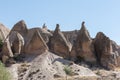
<point>4,74</point>
<point>68,70</point>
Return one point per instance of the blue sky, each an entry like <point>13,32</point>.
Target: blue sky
<point>99,15</point>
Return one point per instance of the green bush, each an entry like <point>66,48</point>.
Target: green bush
<point>4,74</point>
<point>68,70</point>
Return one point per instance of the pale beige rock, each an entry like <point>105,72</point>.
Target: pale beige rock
<point>16,42</point>
<point>103,48</point>
<point>35,43</point>
<point>83,46</point>
<point>59,44</point>
<point>20,27</point>
<point>4,31</point>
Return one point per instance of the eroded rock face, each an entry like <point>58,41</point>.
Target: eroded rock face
<point>49,66</point>
<point>71,35</point>
<point>12,45</point>
<point>45,33</point>
<point>16,42</point>
<point>35,43</point>
<point>59,44</point>
<point>23,41</point>
<point>116,53</point>
<point>83,47</point>
<point>103,49</point>
<point>3,32</point>
<point>20,27</point>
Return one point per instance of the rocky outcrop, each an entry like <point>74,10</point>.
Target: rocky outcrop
<point>3,32</point>
<point>31,38</point>
<point>59,44</point>
<point>49,66</point>
<point>12,45</point>
<point>71,35</point>
<point>35,43</point>
<point>45,33</point>
<point>83,47</point>
<point>104,52</point>
<point>23,41</point>
<point>16,42</point>
<point>116,51</point>
<point>20,27</point>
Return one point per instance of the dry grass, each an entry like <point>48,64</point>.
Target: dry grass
<point>4,74</point>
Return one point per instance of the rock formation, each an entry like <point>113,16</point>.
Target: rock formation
<point>45,33</point>
<point>83,47</point>
<point>47,52</point>
<point>23,41</point>
<point>59,44</point>
<point>35,43</point>
<point>104,52</point>
<point>49,66</point>
<point>71,35</point>
<point>20,27</point>
<point>3,32</point>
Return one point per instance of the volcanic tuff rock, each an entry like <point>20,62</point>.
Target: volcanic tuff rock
<point>71,35</point>
<point>74,45</point>
<point>31,38</point>
<point>23,40</point>
<point>83,47</point>
<point>58,43</point>
<point>35,43</point>
<point>104,52</point>
<point>45,33</point>
<point>20,27</point>
<point>49,66</point>
<point>3,31</point>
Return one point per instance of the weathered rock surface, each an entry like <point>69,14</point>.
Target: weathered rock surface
<point>75,45</point>
<point>16,42</point>
<point>45,33</point>
<point>34,43</point>
<point>58,43</point>
<point>48,66</point>
<point>83,47</point>
<point>23,40</point>
<point>3,32</point>
<point>104,52</point>
<point>71,35</point>
<point>20,27</point>
<point>116,51</point>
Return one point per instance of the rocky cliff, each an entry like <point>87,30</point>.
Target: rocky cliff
<point>76,46</point>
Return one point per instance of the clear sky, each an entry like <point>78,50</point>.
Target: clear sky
<point>99,15</point>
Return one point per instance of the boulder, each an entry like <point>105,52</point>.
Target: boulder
<point>58,43</point>
<point>83,48</point>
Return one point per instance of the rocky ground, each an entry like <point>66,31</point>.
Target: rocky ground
<point>49,66</point>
